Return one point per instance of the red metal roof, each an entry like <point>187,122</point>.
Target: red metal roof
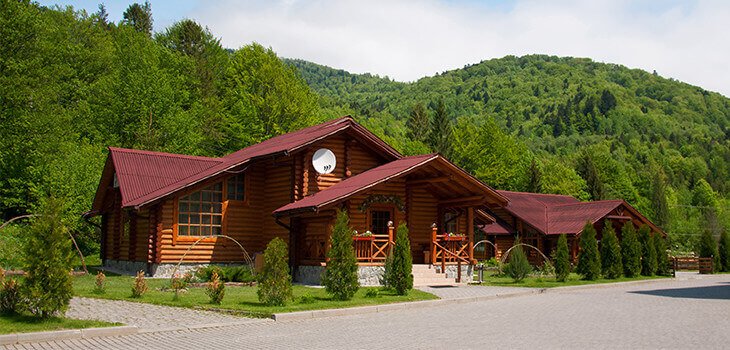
<point>147,176</point>
<point>373,177</point>
<point>570,218</point>
<point>357,183</point>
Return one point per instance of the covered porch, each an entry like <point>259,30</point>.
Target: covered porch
<point>439,202</point>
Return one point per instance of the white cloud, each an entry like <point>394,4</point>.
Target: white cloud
<point>409,39</point>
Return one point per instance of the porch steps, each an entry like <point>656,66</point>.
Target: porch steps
<point>426,275</point>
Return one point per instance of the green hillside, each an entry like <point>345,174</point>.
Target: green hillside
<point>653,141</point>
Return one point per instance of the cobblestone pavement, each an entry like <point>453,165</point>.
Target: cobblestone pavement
<point>684,314</point>
<point>148,317</point>
<point>468,291</point>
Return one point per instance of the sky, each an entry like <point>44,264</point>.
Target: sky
<point>409,39</point>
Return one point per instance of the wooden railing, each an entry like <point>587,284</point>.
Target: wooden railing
<point>315,249</point>
<point>449,249</point>
<point>703,265</point>
<point>374,248</point>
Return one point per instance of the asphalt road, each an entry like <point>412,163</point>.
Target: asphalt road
<point>668,314</point>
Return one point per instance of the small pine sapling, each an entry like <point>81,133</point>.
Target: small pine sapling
<point>662,257</point>
<point>518,267</point>
<point>589,261</point>
<point>630,251</point>
<point>401,276</point>
<point>275,282</point>
<point>611,266</point>
<point>562,260</point>
<point>648,252</point>
<point>139,287</point>
<point>340,279</point>
<point>215,289</point>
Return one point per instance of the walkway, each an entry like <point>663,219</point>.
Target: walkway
<point>693,313</point>
<point>151,318</point>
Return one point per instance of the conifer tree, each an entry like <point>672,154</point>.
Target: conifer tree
<point>662,258</point>
<point>589,264</point>
<point>340,278</point>
<point>659,199</point>
<point>610,253</point>
<point>534,177</point>
<point>562,262</point>
<point>139,17</point>
<point>630,251</point>
<point>724,250</point>
<point>648,252</point>
<point>440,137</point>
<point>518,267</point>
<point>708,247</point>
<point>418,123</point>
<point>401,277</point>
<point>47,263</point>
<point>588,171</point>
<point>275,282</point>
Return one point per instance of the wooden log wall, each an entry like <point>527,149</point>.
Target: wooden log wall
<point>277,193</point>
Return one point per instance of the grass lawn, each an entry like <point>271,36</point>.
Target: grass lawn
<point>236,298</point>
<point>550,282</point>
<point>24,324</point>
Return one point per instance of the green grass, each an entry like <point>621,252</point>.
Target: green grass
<point>236,298</point>
<point>24,324</point>
<point>550,282</point>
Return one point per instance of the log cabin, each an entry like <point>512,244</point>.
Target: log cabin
<point>539,219</point>
<point>161,209</point>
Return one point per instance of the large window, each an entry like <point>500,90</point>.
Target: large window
<point>201,213</point>
<point>379,221</point>
<point>450,220</point>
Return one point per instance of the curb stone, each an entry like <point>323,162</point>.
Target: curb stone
<point>305,315</point>
<point>67,334</point>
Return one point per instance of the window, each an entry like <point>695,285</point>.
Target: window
<point>201,213</point>
<point>450,225</point>
<point>237,188</point>
<point>379,221</point>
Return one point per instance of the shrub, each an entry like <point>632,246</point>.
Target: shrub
<point>139,287</point>
<point>307,298</point>
<point>724,250</point>
<point>562,259</point>
<point>662,258</point>
<point>648,252</point>
<point>611,266</point>
<point>491,262</point>
<point>99,283</point>
<point>630,251</point>
<point>215,289</point>
<point>340,278</point>
<point>518,267</point>
<point>47,263</point>
<point>178,284</point>
<point>401,276</point>
<point>708,247</point>
<point>275,282</point>
<point>371,293</point>
<point>10,296</point>
<point>589,264</point>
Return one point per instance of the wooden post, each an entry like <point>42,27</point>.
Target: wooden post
<point>390,237</point>
<point>470,232</point>
<point>434,232</point>
<point>458,271</point>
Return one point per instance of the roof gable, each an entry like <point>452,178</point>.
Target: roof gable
<point>146,176</point>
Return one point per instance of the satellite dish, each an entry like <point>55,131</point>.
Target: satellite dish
<point>324,161</point>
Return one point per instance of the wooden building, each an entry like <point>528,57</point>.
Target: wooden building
<point>155,206</point>
<point>539,219</point>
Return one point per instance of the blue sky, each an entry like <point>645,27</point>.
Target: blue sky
<point>410,39</point>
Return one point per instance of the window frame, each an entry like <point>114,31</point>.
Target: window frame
<point>225,203</point>
<point>381,207</point>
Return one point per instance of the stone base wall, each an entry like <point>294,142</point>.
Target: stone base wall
<point>467,272</point>
<point>368,276</point>
<point>162,270</point>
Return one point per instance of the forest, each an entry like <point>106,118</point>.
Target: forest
<point>73,84</point>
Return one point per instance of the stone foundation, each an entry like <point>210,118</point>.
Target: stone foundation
<point>162,270</point>
<point>467,272</point>
<point>368,276</point>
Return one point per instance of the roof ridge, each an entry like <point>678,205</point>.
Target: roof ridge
<point>540,194</point>
<point>163,154</point>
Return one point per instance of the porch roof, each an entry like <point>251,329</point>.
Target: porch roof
<point>373,177</point>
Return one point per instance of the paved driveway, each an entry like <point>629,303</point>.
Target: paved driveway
<point>667,314</point>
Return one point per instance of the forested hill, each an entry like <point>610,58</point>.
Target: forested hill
<point>515,118</point>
